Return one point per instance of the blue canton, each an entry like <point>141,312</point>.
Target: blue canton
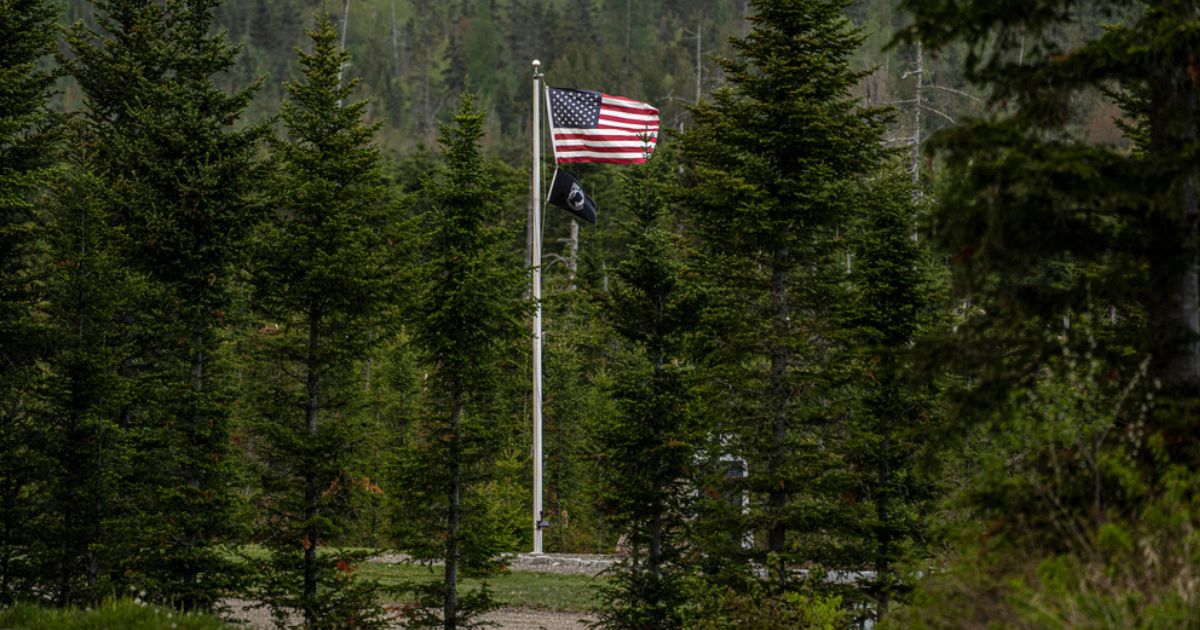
<point>575,109</point>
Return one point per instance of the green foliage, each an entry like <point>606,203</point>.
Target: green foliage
<point>81,396</point>
<point>28,148</point>
<point>1056,543</point>
<point>893,302</point>
<point>513,589</point>
<point>342,598</point>
<point>414,57</point>
<point>774,165</point>
<point>649,445</point>
<point>1047,231</point>
<point>466,321</point>
<point>717,608</point>
<point>1067,453</point>
<point>321,276</point>
<point>176,180</point>
<point>577,381</point>
<point>126,614</point>
<point>1040,222</point>
<point>173,281</point>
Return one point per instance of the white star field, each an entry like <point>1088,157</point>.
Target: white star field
<point>575,109</point>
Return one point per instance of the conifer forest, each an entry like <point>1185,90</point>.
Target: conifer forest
<point>893,323</point>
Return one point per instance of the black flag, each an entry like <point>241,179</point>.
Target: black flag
<point>567,193</point>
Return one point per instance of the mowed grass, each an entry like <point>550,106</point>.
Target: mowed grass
<point>518,589</point>
<point>123,614</point>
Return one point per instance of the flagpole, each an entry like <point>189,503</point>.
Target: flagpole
<point>535,245</point>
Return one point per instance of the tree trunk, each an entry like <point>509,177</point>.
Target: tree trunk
<point>885,415</point>
<point>780,405</point>
<point>453,521</point>
<point>657,518</point>
<point>98,507</point>
<point>192,535</point>
<point>657,525</point>
<point>1174,295</point>
<point>74,485</point>
<point>311,489</point>
<point>7,533</point>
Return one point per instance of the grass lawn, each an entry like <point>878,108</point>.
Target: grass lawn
<point>123,614</point>
<point>574,593</point>
<point>521,589</point>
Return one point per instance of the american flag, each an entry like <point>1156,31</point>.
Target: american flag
<point>590,126</point>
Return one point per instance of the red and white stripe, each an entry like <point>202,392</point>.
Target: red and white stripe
<point>627,134</point>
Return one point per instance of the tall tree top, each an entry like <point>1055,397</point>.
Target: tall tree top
<point>769,152</point>
<point>470,312</point>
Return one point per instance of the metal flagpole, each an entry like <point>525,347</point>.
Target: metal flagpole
<point>535,236</point>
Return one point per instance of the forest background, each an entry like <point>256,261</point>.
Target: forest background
<point>811,367</point>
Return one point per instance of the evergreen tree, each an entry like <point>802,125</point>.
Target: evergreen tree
<point>1076,265</point>
<point>87,293</point>
<point>320,279</point>
<point>577,385</point>
<point>1068,226</point>
<point>772,162</point>
<point>891,307</point>
<point>649,445</point>
<point>28,148</point>
<point>177,177</point>
<point>467,318</point>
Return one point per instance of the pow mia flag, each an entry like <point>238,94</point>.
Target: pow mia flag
<point>567,193</point>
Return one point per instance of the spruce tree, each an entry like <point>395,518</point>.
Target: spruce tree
<point>320,279</point>
<point>467,318</point>
<point>771,164</point>
<point>178,169</point>
<point>1075,264</point>
<point>649,445</point>
<point>86,297</point>
<point>577,384</point>
<point>893,304</point>
<point>1042,224</point>
<point>28,149</point>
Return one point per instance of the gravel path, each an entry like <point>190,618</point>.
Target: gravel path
<point>561,563</point>
<point>530,619</point>
<point>513,618</point>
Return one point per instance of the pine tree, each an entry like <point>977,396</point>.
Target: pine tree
<point>649,445</point>
<point>28,149</point>
<point>177,178</point>
<point>467,317</point>
<point>771,164</point>
<point>321,277</point>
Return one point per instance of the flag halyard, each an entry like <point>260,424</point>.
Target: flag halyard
<point>590,126</point>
